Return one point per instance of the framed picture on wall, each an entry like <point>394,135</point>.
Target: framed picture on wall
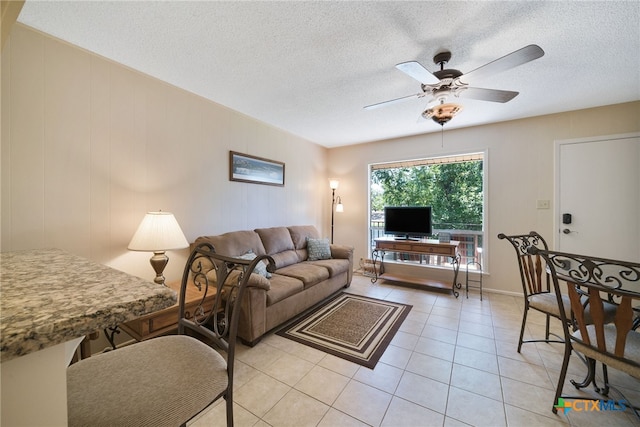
<point>257,170</point>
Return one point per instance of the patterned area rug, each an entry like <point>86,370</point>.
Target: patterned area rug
<point>352,327</point>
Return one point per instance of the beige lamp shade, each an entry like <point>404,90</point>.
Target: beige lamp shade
<point>158,231</point>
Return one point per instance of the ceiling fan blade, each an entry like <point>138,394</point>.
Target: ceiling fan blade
<point>493,95</point>
<point>417,71</point>
<point>393,101</point>
<point>519,57</point>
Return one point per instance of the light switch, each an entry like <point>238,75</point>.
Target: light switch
<point>543,204</point>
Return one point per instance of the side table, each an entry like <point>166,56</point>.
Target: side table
<point>164,321</point>
<point>420,247</point>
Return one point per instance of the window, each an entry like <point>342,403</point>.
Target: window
<point>454,188</point>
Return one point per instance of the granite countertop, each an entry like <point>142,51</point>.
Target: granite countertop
<point>49,296</point>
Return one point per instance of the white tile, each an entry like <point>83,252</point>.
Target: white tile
<point>487,345</point>
<point>334,418</point>
<point>404,413</point>
<point>479,329</point>
<point>445,335</point>
<point>412,326</point>
<point>296,409</point>
<point>423,391</point>
<point>477,381</point>
<point>443,322</point>
<point>396,356</point>
<point>517,417</point>
<point>302,351</point>
<point>528,396</point>
<point>288,369</point>
<point>341,366</point>
<point>474,409</point>
<point>260,356</point>
<point>405,340</point>
<point>322,384</point>
<point>430,367</point>
<point>476,359</point>
<point>384,377</point>
<point>260,394</point>
<point>217,417</point>
<point>363,402</point>
<point>435,348</point>
<point>451,312</point>
<point>525,372</point>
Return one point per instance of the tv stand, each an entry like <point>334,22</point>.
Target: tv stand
<point>420,247</point>
<point>406,239</point>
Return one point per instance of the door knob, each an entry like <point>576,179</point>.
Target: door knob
<point>566,231</point>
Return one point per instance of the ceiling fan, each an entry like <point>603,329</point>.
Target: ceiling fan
<point>443,84</point>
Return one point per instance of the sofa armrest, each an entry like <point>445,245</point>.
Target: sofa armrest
<point>341,251</point>
<point>344,252</point>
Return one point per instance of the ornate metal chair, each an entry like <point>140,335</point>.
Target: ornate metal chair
<point>166,381</point>
<point>536,284</point>
<point>615,344</point>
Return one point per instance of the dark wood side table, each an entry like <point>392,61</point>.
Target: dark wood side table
<point>165,321</point>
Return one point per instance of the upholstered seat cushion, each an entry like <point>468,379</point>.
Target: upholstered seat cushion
<point>548,303</point>
<point>186,376</point>
<point>335,266</point>
<point>631,350</point>
<point>283,287</point>
<point>309,273</point>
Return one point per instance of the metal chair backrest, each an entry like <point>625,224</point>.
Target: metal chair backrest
<point>227,277</point>
<point>533,273</point>
<point>604,281</point>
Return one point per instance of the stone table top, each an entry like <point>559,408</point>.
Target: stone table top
<point>49,296</point>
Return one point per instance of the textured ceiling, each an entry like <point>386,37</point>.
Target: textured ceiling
<point>310,67</point>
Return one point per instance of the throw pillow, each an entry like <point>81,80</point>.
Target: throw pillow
<point>261,267</point>
<point>318,249</point>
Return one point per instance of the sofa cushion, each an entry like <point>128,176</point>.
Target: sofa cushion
<point>318,249</point>
<point>299,235</point>
<point>275,239</point>
<point>235,243</point>
<point>283,287</point>
<point>310,274</point>
<point>335,266</point>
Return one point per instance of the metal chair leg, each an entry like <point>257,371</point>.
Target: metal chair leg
<point>524,322</point>
<point>563,375</point>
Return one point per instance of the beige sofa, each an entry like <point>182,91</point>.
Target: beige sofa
<point>298,282</point>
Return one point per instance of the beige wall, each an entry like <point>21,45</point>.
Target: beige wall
<point>520,171</point>
<point>88,146</point>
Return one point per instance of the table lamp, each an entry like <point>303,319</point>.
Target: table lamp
<point>158,232</point>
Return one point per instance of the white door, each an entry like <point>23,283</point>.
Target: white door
<point>598,183</point>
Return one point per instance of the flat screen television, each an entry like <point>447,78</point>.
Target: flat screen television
<point>405,222</point>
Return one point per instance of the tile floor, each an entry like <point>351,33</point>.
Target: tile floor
<point>453,363</point>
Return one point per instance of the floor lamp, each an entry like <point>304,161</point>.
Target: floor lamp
<point>336,202</point>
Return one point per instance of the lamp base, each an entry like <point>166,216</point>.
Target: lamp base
<point>159,261</point>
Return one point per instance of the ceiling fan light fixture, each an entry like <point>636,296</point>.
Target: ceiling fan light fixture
<point>442,113</point>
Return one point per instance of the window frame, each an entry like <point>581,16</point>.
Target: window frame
<point>437,159</point>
